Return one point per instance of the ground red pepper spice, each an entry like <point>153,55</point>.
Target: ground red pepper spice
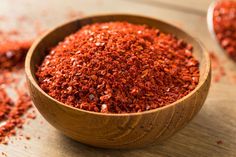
<point>11,110</point>
<point>224,20</point>
<point>119,67</point>
<point>10,114</point>
<point>14,44</point>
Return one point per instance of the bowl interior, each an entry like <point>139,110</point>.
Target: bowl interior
<point>40,47</point>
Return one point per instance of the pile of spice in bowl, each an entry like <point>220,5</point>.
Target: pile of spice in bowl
<point>224,21</point>
<point>119,67</point>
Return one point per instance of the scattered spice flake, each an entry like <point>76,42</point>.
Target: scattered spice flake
<point>224,19</point>
<point>13,53</point>
<point>5,77</point>
<point>20,133</point>
<point>218,69</point>
<point>5,105</point>
<point>27,137</point>
<point>4,154</point>
<point>214,60</point>
<point>31,115</point>
<point>5,142</point>
<point>13,117</point>
<point>118,67</point>
<point>219,142</point>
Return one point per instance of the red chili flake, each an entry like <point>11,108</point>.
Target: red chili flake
<point>219,142</point>
<point>5,105</point>
<point>214,60</point>
<point>31,115</point>
<point>5,142</point>
<point>217,78</point>
<point>27,137</point>
<point>119,67</point>
<point>5,77</point>
<point>20,133</point>
<point>224,19</point>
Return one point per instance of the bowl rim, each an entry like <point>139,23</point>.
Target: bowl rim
<point>31,79</point>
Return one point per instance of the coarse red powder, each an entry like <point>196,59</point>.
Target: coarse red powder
<point>224,19</point>
<point>118,67</point>
<point>10,114</point>
<point>12,111</point>
<point>5,105</point>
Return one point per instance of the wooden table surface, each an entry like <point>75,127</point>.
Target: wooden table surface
<point>215,122</point>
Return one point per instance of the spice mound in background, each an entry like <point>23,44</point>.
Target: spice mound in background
<point>118,67</point>
<point>224,20</point>
<point>13,53</point>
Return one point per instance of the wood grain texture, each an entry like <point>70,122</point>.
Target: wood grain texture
<point>116,130</point>
<point>215,121</point>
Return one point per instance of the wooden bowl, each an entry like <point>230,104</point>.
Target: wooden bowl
<point>116,130</point>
